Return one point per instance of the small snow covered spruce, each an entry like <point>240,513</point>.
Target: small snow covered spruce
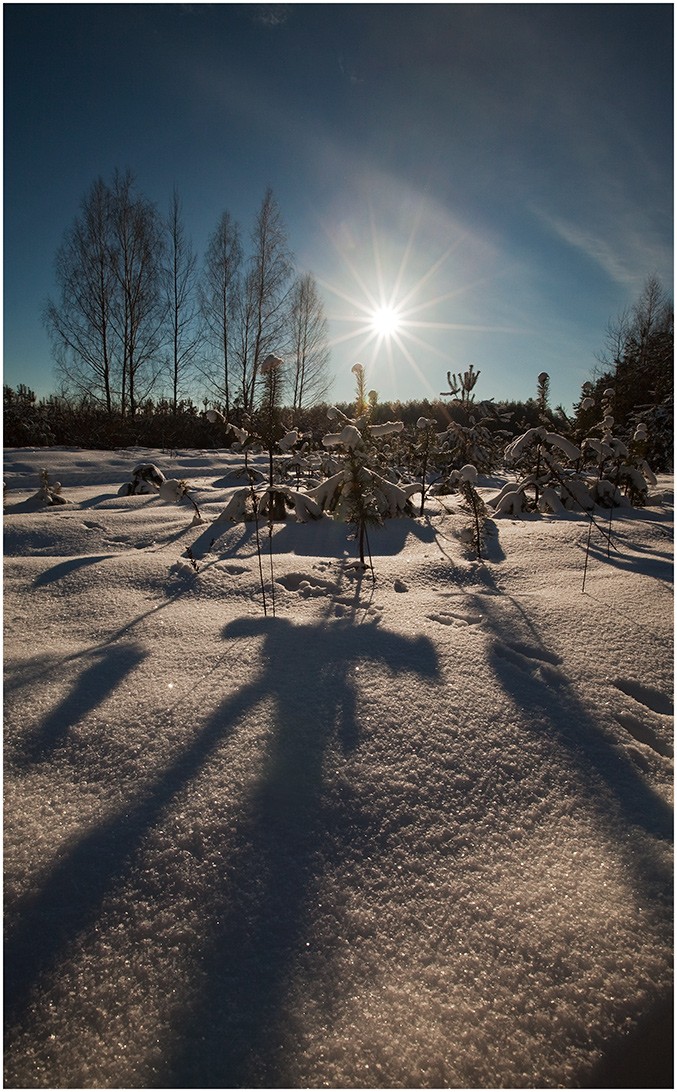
<point>357,494</point>
<point>475,533</point>
<point>549,482</point>
<point>621,468</point>
<point>173,491</point>
<point>269,418</point>
<point>49,494</point>
<point>146,479</point>
<point>425,448</point>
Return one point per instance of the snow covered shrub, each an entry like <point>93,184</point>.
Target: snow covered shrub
<point>658,450</point>
<point>174,490</point>
<point>357,493</point>
<point>467,478</point>
<point>146,479</point>
<point>546,463</point>
<point>250,504</point>
<point>472,433</point>
<point>424,449</point>
<point>297,466</point>
<point>271,370</point>
<point>470,443</point>
<point>621,468</point>
<point>49,493</point>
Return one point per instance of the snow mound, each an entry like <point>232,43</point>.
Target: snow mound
<point>410,828</point>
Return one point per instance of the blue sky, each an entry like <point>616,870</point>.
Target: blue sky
<point>501,173</point>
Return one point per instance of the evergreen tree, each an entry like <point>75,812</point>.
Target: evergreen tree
<point>637,363</point>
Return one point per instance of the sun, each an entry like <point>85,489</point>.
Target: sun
<point>398,296</point>
<point>386,321</point>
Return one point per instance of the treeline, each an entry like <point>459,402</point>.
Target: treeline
<point>67,422</point>
<point>139,326</point>
<point>138,317</point>
<point>637,365</point>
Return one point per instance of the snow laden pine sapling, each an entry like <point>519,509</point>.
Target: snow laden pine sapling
<point>357,502</point>
<point>174,490</point>
<point>270,370</point>
<point>426,446</point>
<point>546,464</point>
<point>356,493</point>
<point>621,468</point>
<point>467,478</point>
<point>49,493</point>
<point>250,503</point>
<point>472,435</point>
<point>145,481</point>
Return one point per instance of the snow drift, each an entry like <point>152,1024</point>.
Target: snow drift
<point>407,833</point>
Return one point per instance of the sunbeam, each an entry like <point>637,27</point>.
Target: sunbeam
<point>391,304</point>
<point>386,321</point>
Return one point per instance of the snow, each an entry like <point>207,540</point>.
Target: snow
<point>410,832</point>
<point>349,437</point>
<point>388,428</point>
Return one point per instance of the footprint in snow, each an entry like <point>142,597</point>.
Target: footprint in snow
<point>536,661</point>
<point>235,570</point>
<point>533,652</point>
<point>307,585</point>
<point>452,618</point>
<point>92,526</point>
<point>646,695</point>
<point>644,734</point>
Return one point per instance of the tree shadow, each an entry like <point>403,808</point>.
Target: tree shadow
<point>257,912</point>
<point>233,1036</point>
<point>643,566</point>
<point>493,551</point>
<point>642,1059</point>
<point>94,684</point>
<point>36,667</point>
<point>528,673</point>
<point>94,502</point>
<point>65,568</point>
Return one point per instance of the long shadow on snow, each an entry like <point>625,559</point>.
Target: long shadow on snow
<point>304,668</point>
<point>621,798</point>
<point>65,568</point>
<point>643,566</point>
<point>235,1036</point>
<point>35,668</point>
<point>324,537</point>
<point>94,684</point>
<point>528,674</point>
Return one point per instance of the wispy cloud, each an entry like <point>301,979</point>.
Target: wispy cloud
<point>623,244</point>
<point>349,71</point>
<point>271,15</point>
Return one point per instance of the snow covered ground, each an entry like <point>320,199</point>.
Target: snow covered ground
<point>412,833</point>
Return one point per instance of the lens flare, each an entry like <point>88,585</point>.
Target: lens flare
<point>386,321</point>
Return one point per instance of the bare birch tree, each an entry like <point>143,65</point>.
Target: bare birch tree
<point>182,317</point>
<point>80,325</point>
<point>308,378</point>
<point>263,311</point>
<point>219,303</point>
<point>138,250</point>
